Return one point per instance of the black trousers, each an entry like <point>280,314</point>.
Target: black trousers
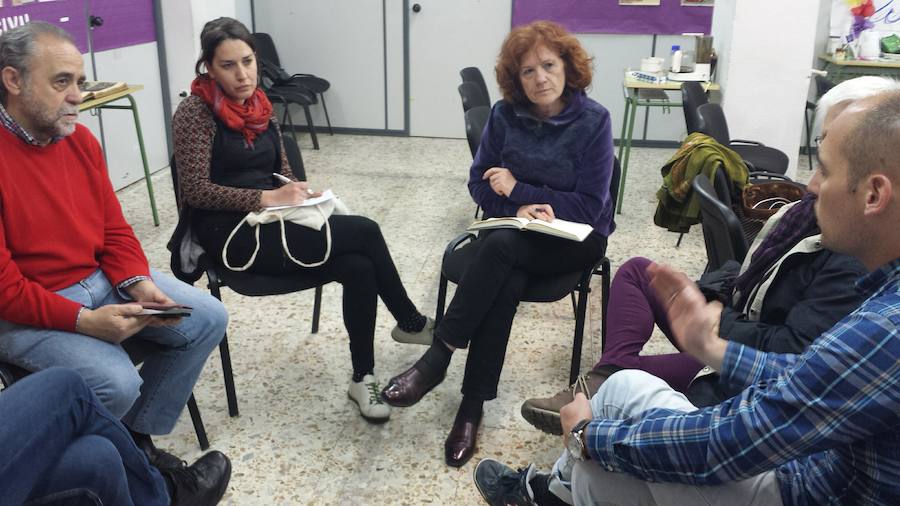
<point>482,310</point>
<point>359,260</point>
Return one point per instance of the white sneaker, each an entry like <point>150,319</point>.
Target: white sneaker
<point>367,395</point>
<point>424,336</point>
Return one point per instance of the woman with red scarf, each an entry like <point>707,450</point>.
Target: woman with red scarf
<point>227,148</point>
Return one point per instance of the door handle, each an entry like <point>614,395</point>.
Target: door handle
<point>416,8</point>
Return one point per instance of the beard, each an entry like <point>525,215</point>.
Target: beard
<point>49,123</point>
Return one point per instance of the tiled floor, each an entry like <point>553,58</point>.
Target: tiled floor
<point>298,439</point>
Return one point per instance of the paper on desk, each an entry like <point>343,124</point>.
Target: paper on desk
<point>325,197</point>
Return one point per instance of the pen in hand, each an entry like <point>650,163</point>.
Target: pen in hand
<point>287,180</point>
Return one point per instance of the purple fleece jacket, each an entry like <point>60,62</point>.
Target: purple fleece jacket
<point>565,161</point>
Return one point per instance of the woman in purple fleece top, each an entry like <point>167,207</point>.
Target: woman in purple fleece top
<point>545,153</point>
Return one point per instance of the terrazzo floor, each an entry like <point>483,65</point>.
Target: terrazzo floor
<point>299,439</point>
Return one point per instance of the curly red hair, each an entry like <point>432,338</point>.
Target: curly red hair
<point>522,39</point>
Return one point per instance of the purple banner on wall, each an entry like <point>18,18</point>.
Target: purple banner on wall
<point>607,16</point>
<point>125,22</point>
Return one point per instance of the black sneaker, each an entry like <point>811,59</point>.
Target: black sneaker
<point>500,485</point>
<point>201,484</point>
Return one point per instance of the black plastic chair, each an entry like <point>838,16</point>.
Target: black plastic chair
<point>722,231</point>
<point>138,350</point>
<point>460,252</point>
<point>692,97</point>
<point>757,156</point>
<point>287,94</point>
<point>475,119</point>
<point>472,96</point>
<point>251,284</point>
<point>473,75</point>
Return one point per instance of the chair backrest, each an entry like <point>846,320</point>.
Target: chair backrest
<point>473,75</point>
<point>823,85</point>
<point>265,47</point>
<point>476,118</point>
<point>722,231</point>
<point>713,123</point>
<point>722,186</point>
<point>295,159</point>
<point>692,97</point>
<point>472,96</point>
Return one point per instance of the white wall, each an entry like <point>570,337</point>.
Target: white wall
<point>765,74</point>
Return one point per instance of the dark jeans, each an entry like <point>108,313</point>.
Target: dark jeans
<point>359,260</point>
<point>482,310</point>
<point>59,445</point>
<point>633,310</point>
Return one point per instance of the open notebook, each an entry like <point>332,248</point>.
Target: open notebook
<point>557,227</point>
<point>100,89</point>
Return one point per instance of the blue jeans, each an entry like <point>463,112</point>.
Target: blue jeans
<point>59,445</point>
<point>148,401</point>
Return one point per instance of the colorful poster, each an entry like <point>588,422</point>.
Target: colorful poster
<point>607,16</point>
<point>124,22</point>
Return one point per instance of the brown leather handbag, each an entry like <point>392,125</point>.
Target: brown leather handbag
<point>763,199</point>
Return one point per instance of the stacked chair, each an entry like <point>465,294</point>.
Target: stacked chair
<point>304,90</point>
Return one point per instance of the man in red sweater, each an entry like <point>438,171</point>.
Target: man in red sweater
<point>71,269</point>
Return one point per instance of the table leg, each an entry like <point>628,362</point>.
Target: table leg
<point>624,128</point>
<point>627,152</point>
<point>140,137</point>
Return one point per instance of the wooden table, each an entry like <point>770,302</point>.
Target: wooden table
<point>104,103</point>
<point>641,93</point>
<point>840,70</point>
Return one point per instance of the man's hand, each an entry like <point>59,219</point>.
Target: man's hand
<point>501,180</point>
<point>572,413</point>
<point>113,323</point>
<point>694,322</point>
<point>536,212</point>
<point>147,291</point>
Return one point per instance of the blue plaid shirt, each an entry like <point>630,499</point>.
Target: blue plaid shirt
<point>828,421</point>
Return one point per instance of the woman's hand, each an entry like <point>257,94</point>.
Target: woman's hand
<point>501,180</point>
<point>287,195</point>
<point>536,212</point>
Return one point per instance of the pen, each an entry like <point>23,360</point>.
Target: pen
<point>281,178</point>
<point>288,181</point>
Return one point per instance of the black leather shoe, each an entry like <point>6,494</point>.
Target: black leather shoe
<point>460,443</point>
<point>160,459</point>
<point>409,387</point>
<point>201,484</point>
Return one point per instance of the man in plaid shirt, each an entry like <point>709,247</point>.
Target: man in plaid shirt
<point>816,428</point>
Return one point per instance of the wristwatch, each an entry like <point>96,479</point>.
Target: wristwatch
<point>576,441</point>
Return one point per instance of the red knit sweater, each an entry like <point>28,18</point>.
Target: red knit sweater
<point>59,222</point>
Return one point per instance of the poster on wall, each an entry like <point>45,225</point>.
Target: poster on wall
<point>613,16</point>
<point>125,22</point>
<point>697,3</point>
<point>648,3</point>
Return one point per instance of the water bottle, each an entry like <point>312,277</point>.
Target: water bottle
<point>676,58</point>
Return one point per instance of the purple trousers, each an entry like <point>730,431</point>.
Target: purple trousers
<point>633,310</point>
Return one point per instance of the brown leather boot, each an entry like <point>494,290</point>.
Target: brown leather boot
<point>543,413</point>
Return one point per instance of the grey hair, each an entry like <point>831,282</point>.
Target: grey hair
<point>871,146</point>
<point>851,90</point>
<point>18,45</point>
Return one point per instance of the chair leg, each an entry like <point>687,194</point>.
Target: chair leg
<point>680,236</point>
<point>441,298</point>
<point>198,423</point>
<point>604,300</point>
<point>808,139</point>
<point>317,309</point>
<point>578,340</point>
<point>229,377</point>
<point>325,108</point>
<point>312,128</point>
<point>574,304</point>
